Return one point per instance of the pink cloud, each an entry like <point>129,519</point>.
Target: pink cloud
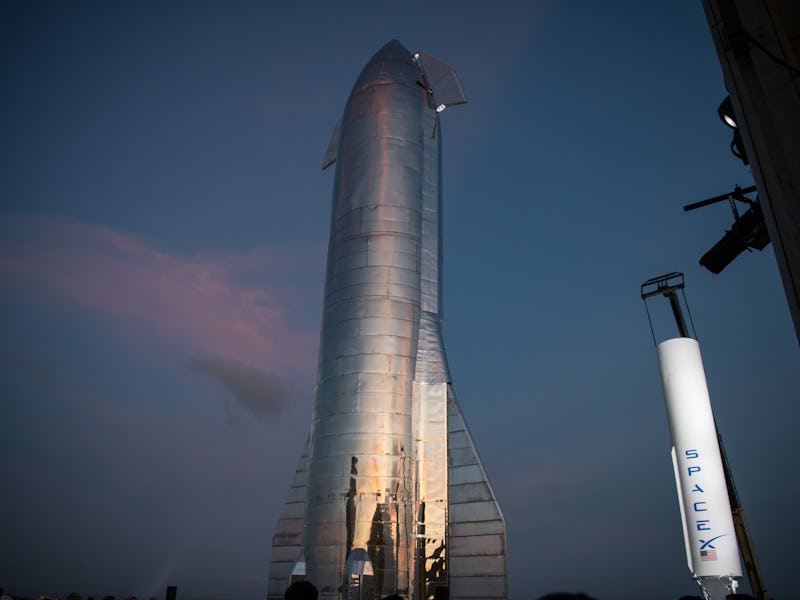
<point>201,303</point>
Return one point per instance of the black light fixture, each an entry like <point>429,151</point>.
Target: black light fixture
<point>749,231</point>
<point>727,116</point>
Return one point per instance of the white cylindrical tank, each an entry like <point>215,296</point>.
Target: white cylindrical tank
<point>711,548</point>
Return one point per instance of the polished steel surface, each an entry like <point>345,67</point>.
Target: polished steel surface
<point>394,498</point>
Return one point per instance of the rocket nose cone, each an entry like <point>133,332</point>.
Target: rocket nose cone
<point>391,64</point>
<point>393,50</point>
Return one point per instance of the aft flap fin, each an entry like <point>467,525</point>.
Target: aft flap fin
<point>333,147</point>
<point>477,530</point>
<point>288,538</point>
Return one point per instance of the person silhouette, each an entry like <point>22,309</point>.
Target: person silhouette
<point>301,590</point>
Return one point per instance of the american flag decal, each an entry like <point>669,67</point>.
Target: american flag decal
<point>708,555</point>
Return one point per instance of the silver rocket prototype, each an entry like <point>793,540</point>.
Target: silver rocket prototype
<point>390,496</point>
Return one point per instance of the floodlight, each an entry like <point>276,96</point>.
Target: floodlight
<point>726,114</point>
<point>749,231</point>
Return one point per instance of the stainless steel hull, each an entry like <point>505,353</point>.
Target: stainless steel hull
<point>390,496</point>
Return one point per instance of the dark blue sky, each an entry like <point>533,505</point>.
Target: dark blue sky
<point>163,230</point>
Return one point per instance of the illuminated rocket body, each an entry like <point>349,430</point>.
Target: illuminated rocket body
<point>390,495</point>
<point>712,552</point>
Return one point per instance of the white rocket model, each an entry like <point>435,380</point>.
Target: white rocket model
<point>711,549</point>
<point>712,552</point>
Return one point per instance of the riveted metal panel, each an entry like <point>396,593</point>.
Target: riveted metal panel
<point>481,546</point>
<point>460,457</point>
<point>459,439</point>
<point>464,529</point>
<point>478,588</point>
<point>373,423</point>
<point>471,492</point>
<point>394,258</point>
<point>472,566</point>
<point>473,511</point>
<point>466,474</point>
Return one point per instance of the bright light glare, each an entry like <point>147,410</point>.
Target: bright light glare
<point>726,114</point>
<point>440,108</point>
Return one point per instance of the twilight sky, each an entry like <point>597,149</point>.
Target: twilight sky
<point>163,229</point>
